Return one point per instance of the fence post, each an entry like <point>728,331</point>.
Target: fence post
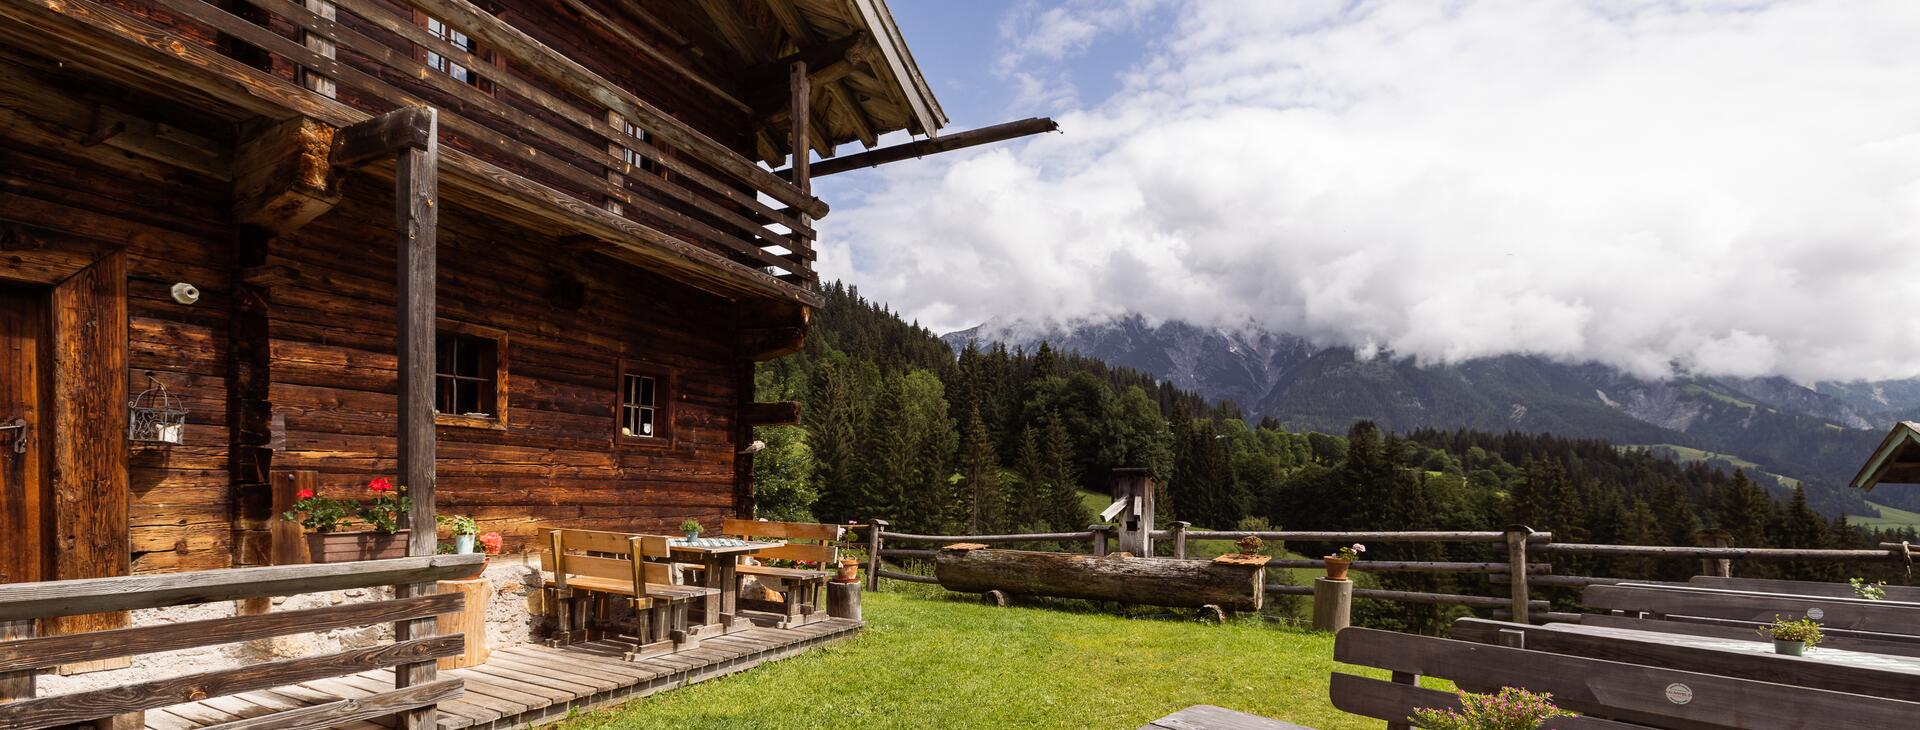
<point>873,554</point>
<point>1332,604</point>
<point>1099,539</point>
<point>1180,539</point>
<point>1517,570</point>
<point>1722,567</point>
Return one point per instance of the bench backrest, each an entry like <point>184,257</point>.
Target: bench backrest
<point>1599,689</point>
<point>1891,617</point>
<point>825,549</point>
<point>1800,587</point>
<point>617,556</point>
<point>1868,641</point>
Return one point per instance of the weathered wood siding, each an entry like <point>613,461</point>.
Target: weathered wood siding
<point>557,461</point>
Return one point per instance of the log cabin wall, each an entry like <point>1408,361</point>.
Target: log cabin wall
<point>557,461</point>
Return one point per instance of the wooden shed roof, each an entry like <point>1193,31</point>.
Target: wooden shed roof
<point>1896,461</point>
<point>865,79</point>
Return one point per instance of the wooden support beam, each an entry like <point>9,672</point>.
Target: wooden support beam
<point>775,413</point>
<point>620,31</point>
<point>383,136</point>
<point>416,220</point>
<point>282,174</point>
<point>924,147</point>
<point>767,343</point>
<point>798,141</point>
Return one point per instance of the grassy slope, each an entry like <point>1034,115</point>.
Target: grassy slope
<point>1889,517</point>
<point>933,659</point>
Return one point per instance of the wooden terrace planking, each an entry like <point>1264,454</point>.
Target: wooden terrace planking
<point>527,684</point>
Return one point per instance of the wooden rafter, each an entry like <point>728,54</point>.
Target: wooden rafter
<point>830,72</point>
<point>620,30</point>
<point>924,147</point>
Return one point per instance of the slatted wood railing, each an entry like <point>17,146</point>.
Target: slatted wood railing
<point>531,110</point>
<point>22,603</point>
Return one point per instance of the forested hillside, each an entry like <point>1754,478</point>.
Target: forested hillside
<point>896,426</point>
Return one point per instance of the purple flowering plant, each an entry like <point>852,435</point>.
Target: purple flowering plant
<point>1511,708</point>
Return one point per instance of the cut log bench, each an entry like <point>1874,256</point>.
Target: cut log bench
<point>1231,582</point>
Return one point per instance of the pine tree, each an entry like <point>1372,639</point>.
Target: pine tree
<point>1066,512</point>
<point>980,477</point>
<point>1028,505</point>
<point>1802,528</point>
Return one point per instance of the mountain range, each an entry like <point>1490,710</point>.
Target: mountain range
<point>1781,431</point>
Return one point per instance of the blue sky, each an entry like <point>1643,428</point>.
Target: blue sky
<point>1721,186</point>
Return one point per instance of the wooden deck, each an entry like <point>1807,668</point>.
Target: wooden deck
<point>531,684</point>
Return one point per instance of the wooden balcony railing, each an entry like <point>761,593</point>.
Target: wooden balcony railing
<point>536,113</point>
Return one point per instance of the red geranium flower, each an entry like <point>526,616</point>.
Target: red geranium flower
<point>380,484</point>
<point>303,494</point>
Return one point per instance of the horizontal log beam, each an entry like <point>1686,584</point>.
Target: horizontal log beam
<point>1426,536</point>
<point>777,413</point>
<point>1443,599</point>
<point>1658,551</point>
<point>121,593</point>
<point>383,136</point>
<point>934,145</point>
<point>1035,537</point>
<point>1142,580</point>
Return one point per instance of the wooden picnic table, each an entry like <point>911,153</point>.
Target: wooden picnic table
<point>1757,645</point>
<point>1683,600</point>
<point>718,558</point>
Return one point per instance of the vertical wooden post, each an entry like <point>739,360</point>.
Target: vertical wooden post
<point>1180,539</point>
<point>873,553</point>
<point>1722,567</point>
<point>1134,487</point>
<point>416,216</point>
<point>1099,539</point>
<point>319,44</point>
<point>1410,679</point>
<point>16,685</point>
<point>801,89</point>
<point>1517,570</point>
<point>1332,604</point>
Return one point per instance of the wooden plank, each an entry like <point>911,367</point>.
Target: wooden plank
<point>1867,641</point>
<point>1395,702</point>
<point>1905,594</point>
<point>1619,691</point>
<point>88,430</point>
<point>50,650</point>
<point>516,684</point>
<point>1767,667</point>
<point>1886,616</point>
<point>773,413</point>
<point>92,595</point>
<point>383,136</point>
<point>349,710</point>
<point>781,530</point>
<point>935,145</point>
<point>83,706</point>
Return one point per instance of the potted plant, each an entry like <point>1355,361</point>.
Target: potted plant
<point>1870,591</point>
<point>849,571</point>
<point>490,544</point>
<point>1341,559</point>
<point>324,516</point>
<point>1511,708</point>
<point>463,529</point>
<point>692,528</point>
<point>1250,545</point>
<point>1792,637</point>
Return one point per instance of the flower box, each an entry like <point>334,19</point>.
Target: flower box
<point>346,547</point>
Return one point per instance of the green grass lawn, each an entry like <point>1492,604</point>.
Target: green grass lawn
<point>932,659</point>
<point>1890,517</point>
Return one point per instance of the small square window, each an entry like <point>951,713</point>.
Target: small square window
<point>469,378</point>
<point>458,40</point>
<point>642,413</point>
<point>633,157</point>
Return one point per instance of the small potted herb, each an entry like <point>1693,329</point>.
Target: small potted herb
<point>1341,559</point>
<point>1792,637</point>
<point>1511,708</point>
<point>1250,545</point>
<point>464,530</point>
<point>1870,591</point>
<point>692,528</point>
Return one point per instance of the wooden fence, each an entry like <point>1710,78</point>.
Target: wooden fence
<point>412,653</point>
<point>1528,554</point>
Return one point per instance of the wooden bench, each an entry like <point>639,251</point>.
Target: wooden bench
<point>610,586</point>
<point>800,589</point>
<point>1908,594</point>
<point>1660,601</point>
<point>1610,695</point>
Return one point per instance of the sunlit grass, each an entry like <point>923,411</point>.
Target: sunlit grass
<point>932,659</point>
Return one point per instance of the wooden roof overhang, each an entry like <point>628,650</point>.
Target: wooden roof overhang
<point>1895,461</point>
<point>100,41</point>
<point>865,80</point>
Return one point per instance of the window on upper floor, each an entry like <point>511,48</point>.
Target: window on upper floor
<point>458,40</point>
<point>633,156</point>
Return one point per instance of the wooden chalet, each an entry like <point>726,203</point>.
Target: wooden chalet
<point>519,255</point>
<point>1895,461</point>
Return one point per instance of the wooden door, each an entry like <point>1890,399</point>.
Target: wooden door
<point>25,381</point>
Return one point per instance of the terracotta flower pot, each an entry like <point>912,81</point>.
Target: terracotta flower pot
<point>346,547</point>
<point>849,571</point>
<point>1337,567</point>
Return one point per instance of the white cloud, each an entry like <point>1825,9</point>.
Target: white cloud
<point>1732,187</point>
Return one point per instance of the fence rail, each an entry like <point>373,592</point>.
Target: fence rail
<point>1519,573</point>
<point>411,654</point>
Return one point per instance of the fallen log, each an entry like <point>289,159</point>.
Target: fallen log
<point>1151,581</point>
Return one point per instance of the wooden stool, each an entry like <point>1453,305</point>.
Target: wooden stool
<point>471,621</point>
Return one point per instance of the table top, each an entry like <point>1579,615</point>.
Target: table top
<point>1865,660</point>
<point>717,545</point>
